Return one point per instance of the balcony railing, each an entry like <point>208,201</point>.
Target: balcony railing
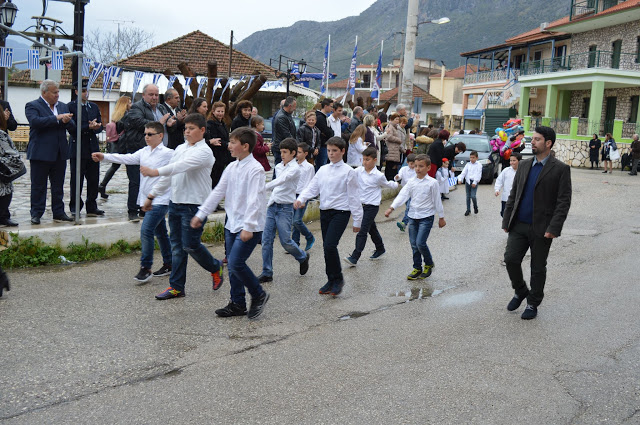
<point>491,76</point>
<point>595,59</point>
<point>580,8</point>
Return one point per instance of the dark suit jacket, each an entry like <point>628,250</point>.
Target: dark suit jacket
<point>47,135</point>
<point>12,124</point>
<point>175,132</point>
<point>89,137</point>
<point>139,115</point>
<point>551,197</point>
<point>326,132</point>
<point>283,127</point>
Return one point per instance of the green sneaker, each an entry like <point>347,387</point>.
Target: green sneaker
<point>426,272</point>
<point>415,275</point>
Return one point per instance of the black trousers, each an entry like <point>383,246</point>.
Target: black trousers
<point>391,169</point>
<point>521,238</point>
<point>41,173</point>
<point>333,223</point>
<point>89,170</point>
<point>368,227</point>
<point>5,201</point>
<point>133,172</point>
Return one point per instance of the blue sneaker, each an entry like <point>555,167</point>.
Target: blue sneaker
<point>337,288</point>
<point>352,262</point>
<point>400,226</point>
<point>310,243</point>
<point>377,254</point>
<point>169,293</point>
<point>326,289</point>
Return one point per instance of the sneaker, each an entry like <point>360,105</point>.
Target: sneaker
<point>415,274</point>
<point>304,266</point>
<point>257,305</point>
<point>400,226</point>
<point>352,262</point>
<point>218,278</point>
<point>475,210</point>
<point>133,217</point>
<point>95,213</point>
<point>466,214</point>
<point>426,272</point>
<point>143,275</point>
<point>169,293</point>
<point>336,289</point>
<point>377,254</point>
<point>515,303</point>
<point>232,309</point>
<point>326,289</point>
<point>265,279</point>
<point>530,312</point>
<point>310,243</point>
<point>165,270</point>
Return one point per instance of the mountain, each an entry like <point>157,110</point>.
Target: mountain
<point>19,51</point>
<point>474,24</point>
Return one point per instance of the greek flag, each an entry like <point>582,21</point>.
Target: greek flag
<point>115,74</point>
<point>86,67</point>
<point>156,78</point>
<point>213,89</point>
<point>106,78</point>
<point>187,84</point>
<point>203,81</point>
<point>324,68</point>
<point>95,73</point>
<point>375,93</point>
<point>225,87</point>
<point>352,71</point>
<point>172,79</point>
<point>6,57</point>
<point>33,59</point>
<point>250,81</point>
<point>453,181</point>
<point>137,78</point>
<point>57,60</point>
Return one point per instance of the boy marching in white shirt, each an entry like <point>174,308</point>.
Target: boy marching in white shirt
<point>371,182</point>
<point>337,185</point>
<point>425,203</point>
<point>242,186</point>
<point>280,211</point>
<point>307,171</point>
<point>404,175</point>
<point>471,176</point>
<point>504,181</point>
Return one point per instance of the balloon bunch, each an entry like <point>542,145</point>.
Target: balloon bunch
<point>501,143</point>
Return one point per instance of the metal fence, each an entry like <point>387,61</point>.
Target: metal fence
<point>593,59</point>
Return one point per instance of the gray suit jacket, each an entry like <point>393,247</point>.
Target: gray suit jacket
<point>551,197</point>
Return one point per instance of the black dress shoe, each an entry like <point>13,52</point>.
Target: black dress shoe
<point>8,222</point>
<point>515,302</point>
<point>35,220</point>
<point>103,192</point>
<point>133,217</point>
<point>530,312</point>
<point>264,279</point>
<point>62,218</point>
<point>95,213</point>
<point>304,266</point>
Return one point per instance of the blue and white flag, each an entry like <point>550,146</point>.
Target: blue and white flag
<point>156,78</point>
<point>352,71</point>
<point>106,79</point>
<point>213,89</point>
<point>95,73</point>
<point>33,59</point>
<point>137,78</point>
<point>323,88</point>
<point>203,81</point>
<point>225,87</point>
<point>187,84</point>
<point>453,181</point>
<point>114,74</point>
<point>172,79</point>
<point>86,67</point>
<point>57,60</point>
<point>6,57</point>
<point>250,81</point>
<point>375,93</point>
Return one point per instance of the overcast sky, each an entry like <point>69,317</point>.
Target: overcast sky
<point>169,19</point>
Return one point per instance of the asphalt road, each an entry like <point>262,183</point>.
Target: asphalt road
<point>84,344</point>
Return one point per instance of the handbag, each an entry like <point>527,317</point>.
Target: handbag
<point>11,167</point>
<point>614,155</point>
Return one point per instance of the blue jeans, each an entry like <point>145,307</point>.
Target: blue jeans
<point>154,224</point>
<point>419,230</point>
<point>240,275</point>
<point>322,158</point>
<point>405,219</point>
<point>279,217</point>
<point>299,227</point>
<point>186,240</point>
<point>471,196</point>
<point>333,223</point>
<point>368,227</point>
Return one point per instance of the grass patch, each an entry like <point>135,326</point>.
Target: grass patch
<point>213,232</point>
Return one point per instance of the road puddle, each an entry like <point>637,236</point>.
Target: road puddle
<point>354,315</point>
<point>418,293</point>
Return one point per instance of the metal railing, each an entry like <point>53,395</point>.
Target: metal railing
<point>594,59</point>
<point>560,126</point>
<point>580,8</point>
<point>491,76</point>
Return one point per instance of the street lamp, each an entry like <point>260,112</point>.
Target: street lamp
<point>293,67</point>
<point>8,13</point>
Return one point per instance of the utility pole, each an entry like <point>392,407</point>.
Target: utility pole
<point>118,22</point>
<point>78,40</point>
<point>230,53</point>
<point>406,89</point>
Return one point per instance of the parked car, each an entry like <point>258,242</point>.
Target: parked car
<point>527,146</point>
<point>267,133</point>
<point>490,160</point>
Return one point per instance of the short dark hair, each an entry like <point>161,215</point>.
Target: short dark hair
<point>336,105</point>
<point>243,104</point>
<point>337,142</point>
<point>245,136</point>
<point>424,157</point>
<point>472,132</point>
<point>548,133</point>
<point>289,144</point>
<point>461,146</point>
<point>474,153</point>
<point>155,126</point>
<point>370,152</point>
<point>411,157</point>
<point>255,120</point>
<point>197,119</point>
<point>517,155</point>
<point>305,148</point>
<point>289,101</point>
<point>325,102</point>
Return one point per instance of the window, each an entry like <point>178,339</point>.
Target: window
<point>633,117</point>
<point>593,53</point>
<point>638,50</point>
<point>366,80</point>
<point>616,48</point>
<point>586,102</point>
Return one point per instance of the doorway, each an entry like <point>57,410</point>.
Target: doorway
<point>610,114</point>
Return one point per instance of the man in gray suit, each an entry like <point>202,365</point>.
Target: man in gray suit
<point>534,215</point>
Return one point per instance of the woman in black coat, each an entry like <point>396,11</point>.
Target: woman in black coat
<point>594,150</point>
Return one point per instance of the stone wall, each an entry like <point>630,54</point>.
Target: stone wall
<point>623,104</point>
<point>576,152</point>
<point>604,38</point>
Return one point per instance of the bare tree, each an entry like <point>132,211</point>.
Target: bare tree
<point>110,47</point>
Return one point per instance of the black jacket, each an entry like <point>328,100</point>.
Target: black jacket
<point>217,129</point>
<point>436,152</point>
<point>89,143</point>
<point>12,124</point>
<point>239,121</point>
<point>449,153</point>
<point>306,134</point>
<point>326,132</point>
<point>355,122</point>
<point>283,127</point>
<point>139,115</point>
<point>175,132</point>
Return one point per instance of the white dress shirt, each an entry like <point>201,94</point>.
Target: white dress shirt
<point>55,107</point>
<point>336,126</point>
<point>354,153</point>
<point>405,174</point>
<point>371,184</point>
<point>442,176</point>
<point>505,182</point>
<point>337,185</point>
<point>188,173</point>
<point>471,173</point>
<point>307,171</point>
<point>285,184</point>
<point>425,198</point>
<point>152,158</point>
<point>242,186</point>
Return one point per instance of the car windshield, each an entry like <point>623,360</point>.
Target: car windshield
<point>267,126</point>
<point>473,143</point>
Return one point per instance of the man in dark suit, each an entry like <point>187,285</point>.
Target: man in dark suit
<point>48,150</point>
<point>534,215</point>
<point>90,170</point>
<point>175,124</point>
<point>326,132</point>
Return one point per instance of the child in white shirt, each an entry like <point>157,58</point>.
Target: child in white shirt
<point>356,146</point>
<point>404,175</point>
<point>425,203</point>
<point>471,176</point>
<point>442,176</point>
<point>504,181</point>
<point>371,182</point>
<point>307,171</point>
